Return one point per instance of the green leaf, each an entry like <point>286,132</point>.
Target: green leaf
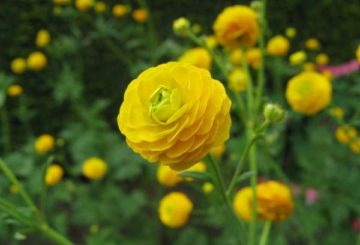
<point>203,176</point>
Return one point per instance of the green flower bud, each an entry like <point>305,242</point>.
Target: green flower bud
<point>273,113</point>
<point>181,26</point>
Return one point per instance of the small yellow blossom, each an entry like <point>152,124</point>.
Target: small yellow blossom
<point>207,187</point>
<point>358,53</point>
<point>181,26</point>
<point>54,174</point>
<point>345,134</point>
<point>238,80</point>
<point>14,90</point>
<point>18,65</point>
<point>84,5</point>
<point>308,66</point>
<point>312,44</point>
<point>42,38</point>
<point>278,46</point>
<point>211,41</point>
<point>196,28</point>
<point>167,176</point>
<point>140,15</point>
<point>355,145</point>
<point>44,143</point>
<point>175,209</point>
<point>236,56</point>
<point>237,25</point>
<point>290,32</point>
<point>322,59</point>
<point>308,92</point>
<point>37,61</point>
<point>337,112</point>
<point>120,10</point>
<point>218,151</point>
<point>297,58</point>
<point>94,168</point>
<point>100,7</point>
<point>253,57</point>
<point>198,57</point>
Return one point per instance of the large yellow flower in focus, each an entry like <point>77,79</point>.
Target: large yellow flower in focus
<point>167,176</point>
<point>175,209</point>
<point>198,57</point>
<point>37,61</point>
<point>278,46</point>
<point>174,114</point>
<point>236,25</point>
<point>308,92</point>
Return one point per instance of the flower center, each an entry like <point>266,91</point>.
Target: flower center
<point>304,88</point>
<point>164,103</point>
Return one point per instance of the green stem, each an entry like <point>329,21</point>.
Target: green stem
<point>265,233</point>
<point>250,86</point>
<point>5,130</point>
<point>54,235</point>
<point>11,210</point>
<point>43,193</point>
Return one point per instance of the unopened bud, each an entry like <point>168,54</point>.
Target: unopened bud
<point>181,26</point>
<point>273,113</point>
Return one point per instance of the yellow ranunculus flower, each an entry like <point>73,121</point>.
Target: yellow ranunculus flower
<point>174,114</point>
<point>238,80</point>
<point>312,44</point>
<point>297,58</point>
<point>308,92</point>
<point>211,41</point>
<point>100,7</point>
<point>278,46</point>
<point>198,57</point>
<point>236,56</point>
<point>175,209</point>
<point>355,145</point>
<point>345,134</point>
<point>42,38</point>
<point>218,151</point>
<point>18,65</point>
<point>61,2</point>
<point>337,112</point>
<point>358,53</point>
<point>14,90</point>
<point>84,5</point>
<point>120,10</point>
<point>140,15</point>
<point>322,59</point>
<point>44,143</point>
<point>167,176</point>
<point>237,25</point>
<point>253,57</point>
<point>274,202</point>
<point>94,168</point>
<point>37,61</point>
<point>54,174</point>
<point>290,32</point>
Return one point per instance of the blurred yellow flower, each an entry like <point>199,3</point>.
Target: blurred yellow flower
<point>42,38</point>
<point>236,25</point>
<point>61,2</point>
<point>218,151</point>
<point>140,15</point>
<point>308,92</point>
<point>358,53</point>
<point>175,209</point>
<point>278,46</point>
<point>238,80</point>
<point>167,176</point>
<point>253,57</point>
<point>14,189</point>
<point>211,41</point>
<point>84,5</point>
<point>312,44</point>
<point>196,28</point>
<point>322,59</point>
<point>181,26</point>
<point>197,167</point>
<point>236,56</point>
<point>94,168</point>
<point>308,66</point>
<point>18,65</point>
<point>345,134</point>
<point>174,114</point>
<point>54,174</point>
<point>44,143</point>
<point>14,90</point>
<point>355,145</point>
<point>297,58</point>
<point>120,10</point>
<point>36,61</point>
<point>198,57</point>
<point>290,32</point>
<point>337,112</point>
<point>274,202</point>
<point>207,187</point>
<point>100,7</point>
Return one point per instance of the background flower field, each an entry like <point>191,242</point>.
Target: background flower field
<point>64,69</point>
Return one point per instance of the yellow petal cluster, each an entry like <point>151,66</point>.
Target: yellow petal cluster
<point>253,57</point>
<point>274,202</point>
<point>278,46</point>
<point>236,57</point>
<point>337,112</point>
<point>14,90</point>
<point>308,92</point>
<point>175,209</point>
<point>18,65</point>
<point>94,168</point>
<point>84,5</point>
<point>290,32</point>
<point>44,143</point>
<point>236,25</point>
<point>120,10</point>
<point>218,151</point>
<point>322,59</point>
<point>54,174</point>
<point>100,7</point>
<point>297,58</point>
<point>42,38</point>
<point>238,80</point>
<point>167,176</point>
<point>174,114</point>
<point>37,61</point>
<point>198,57</point>
<point>355,145</point>
<point>345,134</point>
<point>312,44</point>
<point>140,15</point>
